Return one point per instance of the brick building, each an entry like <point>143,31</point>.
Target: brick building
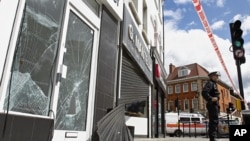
<point>185,83</point>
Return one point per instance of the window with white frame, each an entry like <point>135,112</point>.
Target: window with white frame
<point>203,84</point>
<point>185,87</point>
<point>195,103</point>
<point>183,72</point>
<point>177,88</point>
<point>170,89</point>
<point>93,5</point>
<point>170,105</point>
<point>194,86</point>
<point>145,17</point>
<point>186,104</point>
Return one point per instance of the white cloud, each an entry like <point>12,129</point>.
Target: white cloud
<point>245,23</point>
<point>173,17</point>
<point>237,17</point>
<point>218,25</point>
<point>220,3</point>
<point>182,1</point>
<point>176,15</point>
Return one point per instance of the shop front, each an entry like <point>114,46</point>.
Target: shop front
<point>159,94</point>
<point>136,77</point>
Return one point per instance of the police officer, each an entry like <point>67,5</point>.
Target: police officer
<point>211,94</point>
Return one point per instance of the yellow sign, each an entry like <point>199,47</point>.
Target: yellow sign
<point>238,104</point>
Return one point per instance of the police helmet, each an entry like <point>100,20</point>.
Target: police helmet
<point>214,73</point>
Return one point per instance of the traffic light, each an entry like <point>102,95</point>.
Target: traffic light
<point>230,108</point>
<point>237,41</point>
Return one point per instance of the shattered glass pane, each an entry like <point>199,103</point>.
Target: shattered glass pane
<point>74,89</point>
<point>34,59</point>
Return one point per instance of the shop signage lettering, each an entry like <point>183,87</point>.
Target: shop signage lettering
<point>134,43</point>
<point>116,2</point>
<point>138,45</point>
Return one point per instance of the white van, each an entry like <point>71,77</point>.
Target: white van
<point>190,123</point>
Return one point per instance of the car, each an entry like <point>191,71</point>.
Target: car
<point>223,126</point>
<point>189,123</point>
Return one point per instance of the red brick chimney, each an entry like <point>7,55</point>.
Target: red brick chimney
<point>171,68</point>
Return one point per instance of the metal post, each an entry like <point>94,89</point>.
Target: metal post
<point>195,129</point>
<point>157,115</point>
<point>178,110</point>
<point>183,128</point>
<point>240,82</point>
<point>228,122</point>
<point>189,129</point>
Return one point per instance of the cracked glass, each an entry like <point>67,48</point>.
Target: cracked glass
<point>30,85</point>
<point>74,88</point>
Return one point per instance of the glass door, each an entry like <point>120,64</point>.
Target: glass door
<point>75,86</point>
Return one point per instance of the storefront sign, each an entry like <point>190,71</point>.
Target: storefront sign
<point>158,76</point>
<point>134,43</point>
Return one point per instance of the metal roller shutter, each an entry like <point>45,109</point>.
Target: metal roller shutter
<point>134,85</point>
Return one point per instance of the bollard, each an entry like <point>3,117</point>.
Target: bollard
<point>189,129</point>
<point>183,129</point>
<point>195,129</point>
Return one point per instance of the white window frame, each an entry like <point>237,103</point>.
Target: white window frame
<point>170,89</point>
<point>178,88</point>
<point>183,72</point>
<point>195,103</point>
<point>194,86</point>
<point>185,87</point>
<point>203,83</point>
<point>171,105</point>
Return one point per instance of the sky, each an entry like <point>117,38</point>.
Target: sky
<point>187,42</point>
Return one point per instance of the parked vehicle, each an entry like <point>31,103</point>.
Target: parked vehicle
<point>189,123</point>
<point>223,130</point>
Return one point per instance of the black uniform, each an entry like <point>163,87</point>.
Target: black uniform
<point>210,90</point>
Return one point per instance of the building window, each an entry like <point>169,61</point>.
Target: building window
<point>204,83</point>
<point>170,89</point>
<point>171,106</point>
<point>194,86</point>
<point>183,72</point>
<point>186,104</point>
<point>72,106</point>
<point>185,87</point>
<point>93,5</point>
<point>195,103</point>
<point>145,17</point>
<point>177,88</point>
<point>34,59</point>
<point>145,23</point>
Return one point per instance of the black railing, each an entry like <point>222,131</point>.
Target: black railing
<point>193,129</point>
